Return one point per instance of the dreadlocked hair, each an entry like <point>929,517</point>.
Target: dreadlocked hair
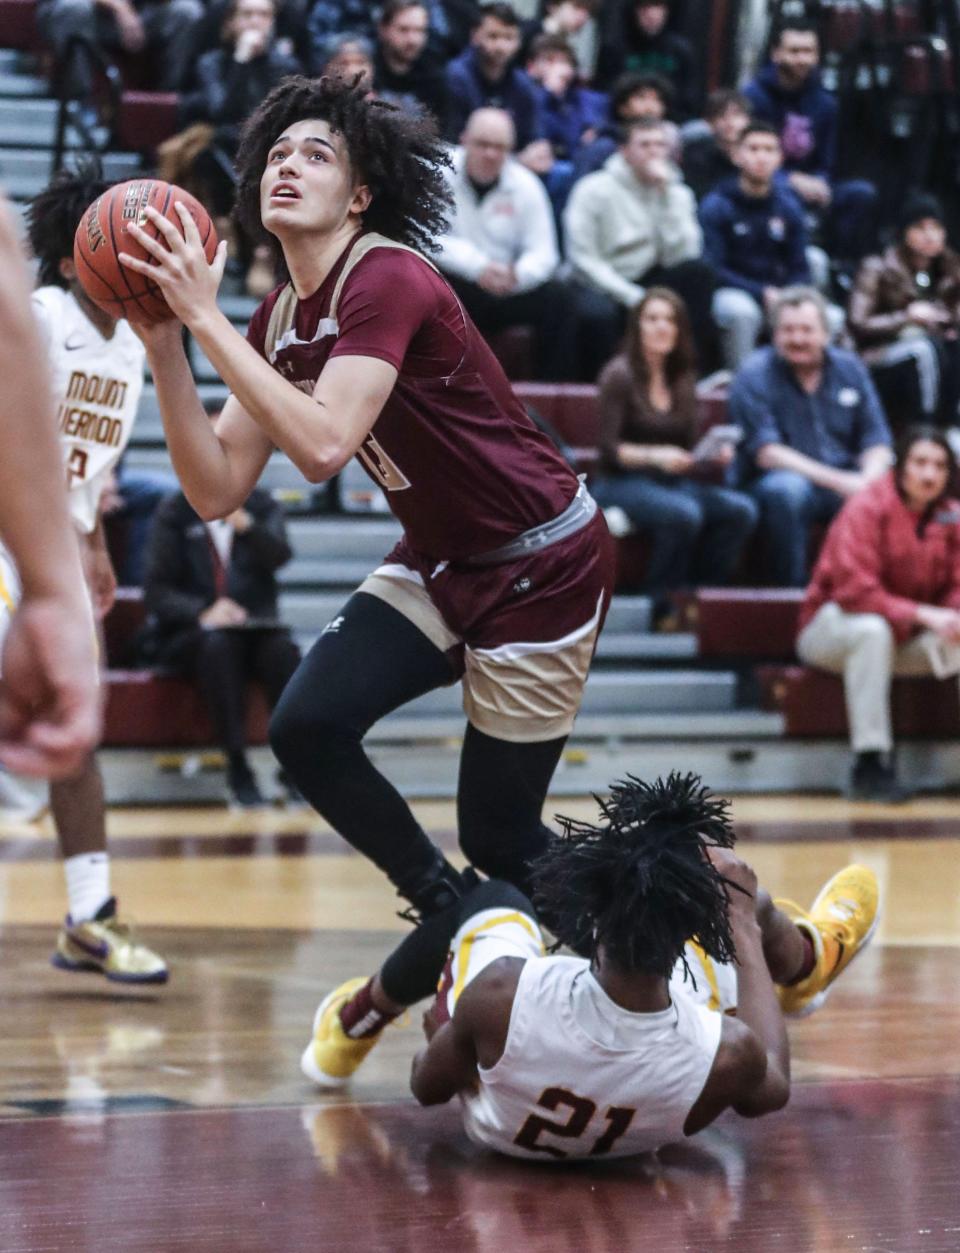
<point>54,215</point>
<point>640,884</point>
<point>395,152</point>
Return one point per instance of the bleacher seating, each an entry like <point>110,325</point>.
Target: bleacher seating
<point>18,27</point>
<point>760,624</point>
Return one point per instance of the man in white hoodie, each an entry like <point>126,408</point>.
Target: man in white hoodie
<point>499,252</point>
<point>629,226</point>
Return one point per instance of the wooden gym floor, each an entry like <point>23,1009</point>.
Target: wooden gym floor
<point>176,1119</point>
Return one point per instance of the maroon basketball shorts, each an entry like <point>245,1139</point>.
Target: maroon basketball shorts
<point>522,634</point>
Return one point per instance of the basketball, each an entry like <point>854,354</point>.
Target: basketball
<point>103,233</point>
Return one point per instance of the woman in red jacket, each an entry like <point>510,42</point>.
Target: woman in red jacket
<point>885,598</point>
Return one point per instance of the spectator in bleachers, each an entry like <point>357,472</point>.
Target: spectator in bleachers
<point>885,598</point>
<point>163,29</point>
<point>649,427</point>
<point>347,56</point>
<point>289,22</point>
<point>328,20</point>
<point>755,237</point>
<point>405,72</point>
<point>709,158</point>
<point>905,312</point>
<point>814,430</point>
<point>499,251</point>
<point>634,97</point>
<point>627,227</point>
<point>485,76</point>
<point>229,82</point>
<point>789,94</point>
<point>130,499</point>
<point>211,592</point>
<point>642,43</point>
<point>572,115</point>
<point>576,22</point>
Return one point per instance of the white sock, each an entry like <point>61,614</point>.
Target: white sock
<point>88,884</point>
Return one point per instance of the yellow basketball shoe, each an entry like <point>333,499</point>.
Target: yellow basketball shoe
<point>332,1056</point>
<point>841,923</point>
<point>107,946</point>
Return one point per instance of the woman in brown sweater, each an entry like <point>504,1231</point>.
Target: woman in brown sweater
<point>905,316</point>
<point>648,427</point>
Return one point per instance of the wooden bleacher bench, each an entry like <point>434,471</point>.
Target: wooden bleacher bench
<point>812,704</point>
<point>748,622</point>
<point>149,709</point>
<point>18,26</point>
<point>145,119</point>
<point>760,625</point>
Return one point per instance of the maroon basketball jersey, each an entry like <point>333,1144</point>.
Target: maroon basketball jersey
<point>463,467</point>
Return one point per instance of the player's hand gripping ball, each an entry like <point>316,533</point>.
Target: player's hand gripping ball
<point>104,232</point>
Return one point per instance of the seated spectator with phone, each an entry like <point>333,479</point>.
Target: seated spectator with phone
<point>211,592</point>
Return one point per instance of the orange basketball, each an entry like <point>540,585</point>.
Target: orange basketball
<point>103,232</point>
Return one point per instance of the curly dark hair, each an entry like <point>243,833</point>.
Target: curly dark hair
<point>54,215</point>
<point>395,152</point>
<point>640,885</point>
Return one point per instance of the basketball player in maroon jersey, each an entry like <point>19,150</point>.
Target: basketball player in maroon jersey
<point>504,571</point>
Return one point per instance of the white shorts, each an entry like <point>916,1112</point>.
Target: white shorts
<point>9,592</point>
<point>714,984</point>
<point>485,937</point>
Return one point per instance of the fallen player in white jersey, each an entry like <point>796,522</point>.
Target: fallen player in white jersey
<point>653,1035</point>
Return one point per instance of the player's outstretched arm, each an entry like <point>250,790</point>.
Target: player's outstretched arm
<point>751,1072</point>
<point>319,433</point>
<point>49,708</point>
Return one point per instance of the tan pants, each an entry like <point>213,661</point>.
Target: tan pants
<point>862,647</point>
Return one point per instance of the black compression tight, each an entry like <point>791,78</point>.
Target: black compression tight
<point>370,661</point>
<point>413,969</point>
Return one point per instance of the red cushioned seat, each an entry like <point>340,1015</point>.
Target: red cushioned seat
<point>748,621</point>
<point>146,119</point>
<point>812,704</point>
<point>18,27</point>
<point>148,710</point>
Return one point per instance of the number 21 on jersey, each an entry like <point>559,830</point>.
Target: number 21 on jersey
<point>581,1115</point>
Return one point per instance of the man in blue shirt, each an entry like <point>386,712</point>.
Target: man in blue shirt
<point>789,94</point>
<point>571,114</point>
<point>755,237</point>
<point>814,430</point>
<point>485,76</point>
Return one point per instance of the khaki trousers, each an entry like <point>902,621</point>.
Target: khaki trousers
<point>862,647</point>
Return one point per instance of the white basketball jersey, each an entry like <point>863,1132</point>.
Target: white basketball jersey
<point>96,388</point>
<point>581,1077</point>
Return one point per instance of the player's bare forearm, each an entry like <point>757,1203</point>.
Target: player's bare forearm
<point>445,1067</point>
<point>319,433</point>
<point>759,1009</point>
<point>41,541</point>
<point>200,460</point>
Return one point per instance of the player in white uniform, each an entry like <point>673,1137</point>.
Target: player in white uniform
<point>622,1051</point>
<point>48,701</point>
<point>97,365</point>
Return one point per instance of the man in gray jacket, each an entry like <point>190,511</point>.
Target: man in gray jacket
<point>630,226</point>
